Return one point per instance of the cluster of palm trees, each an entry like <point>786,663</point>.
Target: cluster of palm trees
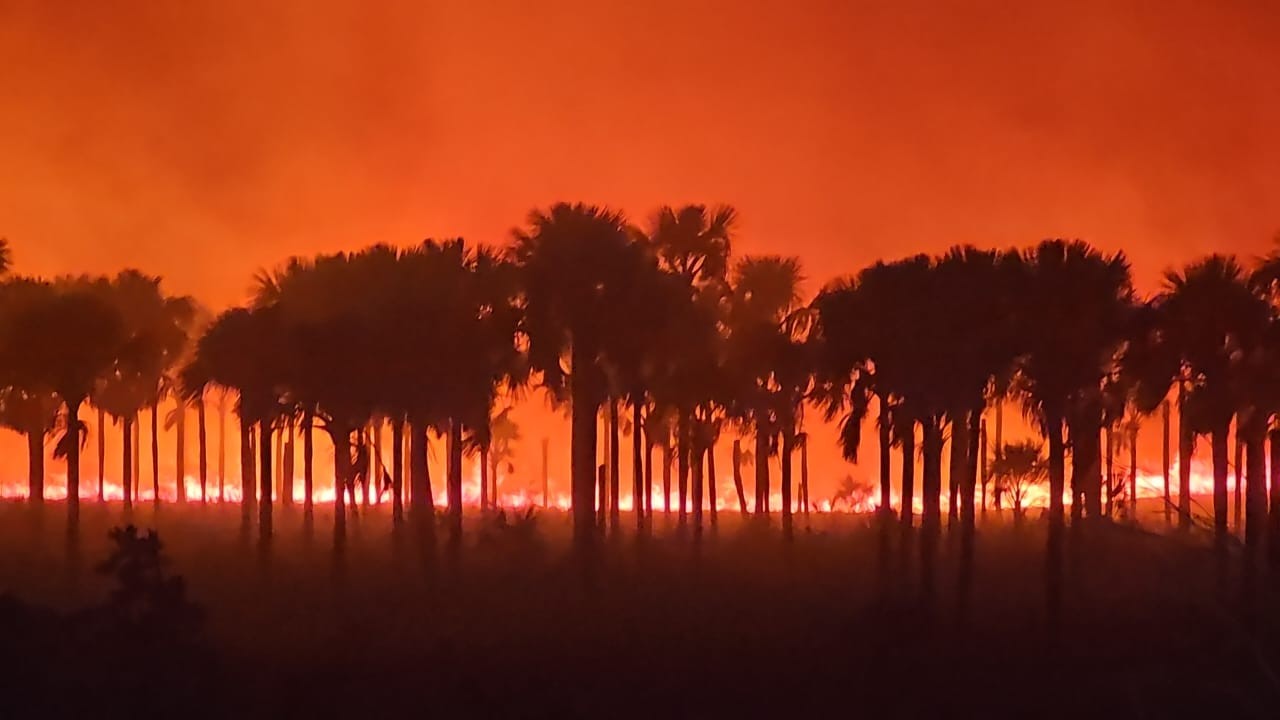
<point>659,328</point>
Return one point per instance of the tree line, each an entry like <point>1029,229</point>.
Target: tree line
<point>660,326</point>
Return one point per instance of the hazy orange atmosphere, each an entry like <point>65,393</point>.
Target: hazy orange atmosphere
<point>205,140</point>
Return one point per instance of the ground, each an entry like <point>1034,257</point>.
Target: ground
<point>846,617</point>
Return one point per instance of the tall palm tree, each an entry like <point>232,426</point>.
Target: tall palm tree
<point>65,341</point>
<point>1075,312</point>
<point>571,258</point>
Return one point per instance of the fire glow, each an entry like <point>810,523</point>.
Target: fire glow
<point>1149,486</point>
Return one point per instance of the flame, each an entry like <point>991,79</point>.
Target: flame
<point>1149,485</point>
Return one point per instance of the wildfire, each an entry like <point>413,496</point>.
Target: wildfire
<point>1149,485</point>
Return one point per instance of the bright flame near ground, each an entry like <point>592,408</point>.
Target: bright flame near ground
<point>1150,485</point>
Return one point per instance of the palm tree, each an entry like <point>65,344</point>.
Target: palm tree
<point>1211,318</point>
<point>64,341</point>
<point>1017,467</point>
<point>571,258</point>
<point>33,415</point>
<point>1075,312</point>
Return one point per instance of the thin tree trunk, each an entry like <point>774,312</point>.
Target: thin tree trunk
<point>788,445</point>
<point>286,469</point>
<point>494,472</point>
<point>1110,440</point>
<point>648,479</point>
<point>137,457</point>
<point>484,477</point>
<point>696,494</point>
<point>908,441</point>
<point>1164,459</point>
<point>997,490</point>
<point>35,467</point>
<point>602,494</point>
<point>804,477</point>
<point>73,465</point>
<point>102,454</point>
<point>363,438</point>
<point>666,478</point>
<point>126,472</point>
<point>308,464</point>
<point>968,483</point>
<point>341,437</point>
<point>1186,447</point>
<point>278,467</point>
<point>1057,475</point>
<point>959,460</point>
<point>682,464</point>
<point>1239,471</point>
<point>931,477</point>
<point>264,480</point>
<point>1219,446</point>
<point>982,467</point>
<point>180,438</point>
<point>713,491</point>
<point>155,450</point>
<point>397,470</point>
<point>222,449</point>
<point>637,466</point>
<point>1255,441</point>
<point>1133,474</point>
<point>762,473</point>
<point>247,474</point>
<point>737,477</point>
<point>886,478</point>
<point>1273,521</point>
<point>454,480</point>
<point>615,481</point>
<point>202,449</point>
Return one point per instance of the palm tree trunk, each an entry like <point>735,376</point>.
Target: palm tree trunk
<point>308,463</point>
<point>264,480</point>
<point>737,477</point>
<point>493,478</point>
<point>602,494</point>
<point>1273,522</point>
<point>1164,458</point>
<point>1239,470</point>
<point>1186,447</point>
<point>102,454</point>
<point>362,438</point>
<point>682,463</point>
<point>155,450</point>
<point>484,476</point>
<point>421,500</point>
<point>1086,465</point>
<point>341,437</point>
<point>73,465</point>
<point>1057,474</point>
<point>931,477</point>
<point>1219,446</point>
<point>1255,441</point>
<point>180,439</point>
<point>958,462</point>
<point>788,445</point>
<point>278,468</point>
<point>637,465</point>
<point>397,470</point>
<point>615,465</point>
<point>247,474</point>
<point>35,467</point>
<point>804,477</point>
<point>886,478</point>
<point>222,448</point>
<point>126,472</point>
<point>1133,474</point>
<point>202,449</point>
<point>908,440</point>
<point>762,473</point>
<point>982,460</point>
<point>666,478</point>
<point>968,484</point>
<point>696,494</point>
<point>286,480</point>
<point>1110,476</point>
<point>137,456</point>
<point>648,479</point>
<point>713,492</point>
<point>455,479</point>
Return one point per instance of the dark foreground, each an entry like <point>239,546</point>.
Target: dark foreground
<point>845,619</point>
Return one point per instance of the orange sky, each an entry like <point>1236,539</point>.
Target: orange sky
<point>202,140</point>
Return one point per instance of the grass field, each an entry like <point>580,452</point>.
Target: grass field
<point>849,617</point>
